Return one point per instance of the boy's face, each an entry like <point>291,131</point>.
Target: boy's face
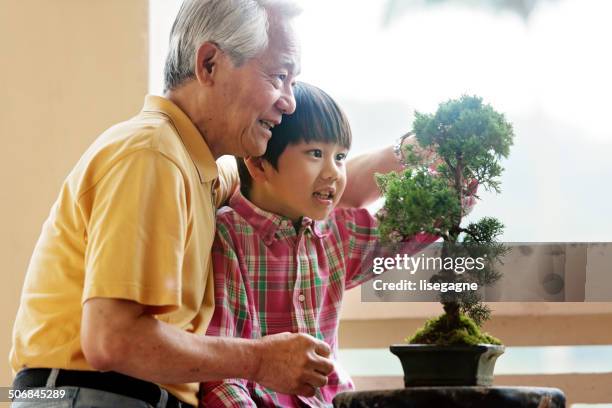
<point>309,181</point>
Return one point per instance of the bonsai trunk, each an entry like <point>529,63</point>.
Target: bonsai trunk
<point>456,228</point>
<point>452,308</point>
<point>452,311</point>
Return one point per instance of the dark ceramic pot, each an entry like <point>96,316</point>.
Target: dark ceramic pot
<point>428,365</point>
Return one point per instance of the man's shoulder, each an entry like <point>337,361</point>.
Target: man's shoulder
<point>144,131</point>
<point>124,141</point>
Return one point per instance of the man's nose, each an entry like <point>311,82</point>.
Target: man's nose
<point>286,102</point>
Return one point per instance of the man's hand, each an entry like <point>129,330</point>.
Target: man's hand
<point>293,363</point>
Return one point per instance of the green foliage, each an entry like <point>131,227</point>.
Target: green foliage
<point>485,230</point>
<point>443,331</point>
<point>415,202</point>
<point>470,138</point>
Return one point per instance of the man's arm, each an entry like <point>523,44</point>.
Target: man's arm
<point>120,335</point>
<point>134,260</point>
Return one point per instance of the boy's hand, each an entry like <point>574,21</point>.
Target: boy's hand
<point>429,154</point>
<point>293,363</point>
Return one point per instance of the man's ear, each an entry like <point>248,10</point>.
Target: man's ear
<point>257,168</point>
<point>207,61</point>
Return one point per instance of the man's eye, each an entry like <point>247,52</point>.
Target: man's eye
<point>316,153</point>
<point>279,79</point>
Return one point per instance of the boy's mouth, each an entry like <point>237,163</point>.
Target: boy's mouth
<point>327,194</point>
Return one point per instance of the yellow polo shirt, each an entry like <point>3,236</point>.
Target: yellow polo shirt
<point>135,219</point>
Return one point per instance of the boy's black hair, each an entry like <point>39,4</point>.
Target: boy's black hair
<point>317,118</point>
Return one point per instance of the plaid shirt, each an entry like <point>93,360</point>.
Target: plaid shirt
<point>270,278</point>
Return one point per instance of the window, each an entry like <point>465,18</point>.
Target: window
<point>549,72</point>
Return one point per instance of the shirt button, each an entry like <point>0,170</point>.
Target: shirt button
<point>301,298</point>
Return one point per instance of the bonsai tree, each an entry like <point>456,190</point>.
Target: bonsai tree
<point>469,138</point>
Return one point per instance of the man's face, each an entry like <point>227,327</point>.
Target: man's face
<point>309,181</point>
<point>253,97</point>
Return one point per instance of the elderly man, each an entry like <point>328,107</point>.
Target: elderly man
<point>119,289</point>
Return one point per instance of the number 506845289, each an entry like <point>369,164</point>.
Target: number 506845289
<point>36,394</point>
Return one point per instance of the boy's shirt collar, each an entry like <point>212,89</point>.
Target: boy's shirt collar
<point>271,226</point>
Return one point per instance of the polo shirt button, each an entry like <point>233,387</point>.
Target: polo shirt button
<point>301,298</point>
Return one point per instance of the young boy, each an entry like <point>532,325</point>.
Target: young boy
<point>283,254</point>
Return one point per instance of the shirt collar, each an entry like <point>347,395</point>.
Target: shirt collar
<point>271,226</point>
<point>192,139</point>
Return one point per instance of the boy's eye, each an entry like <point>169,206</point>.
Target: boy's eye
<point>316,153</point>
<point>341,157</point>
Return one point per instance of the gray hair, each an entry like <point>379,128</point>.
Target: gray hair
<point>238,27</point>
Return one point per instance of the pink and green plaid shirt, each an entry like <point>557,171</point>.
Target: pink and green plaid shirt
<point>270,278</point>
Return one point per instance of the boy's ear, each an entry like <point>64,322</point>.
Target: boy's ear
<point>257,168</point>
<point>207,62</point>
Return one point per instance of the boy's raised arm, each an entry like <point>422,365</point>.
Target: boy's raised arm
<point>361,189</point>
